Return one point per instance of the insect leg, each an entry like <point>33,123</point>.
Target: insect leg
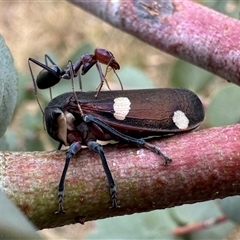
<point>34,82</point>
<point>139,141</point>
<point>72,150</point>
<point>96,147</point>
<point>102,79</point>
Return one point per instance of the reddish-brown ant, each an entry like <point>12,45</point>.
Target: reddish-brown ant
<point>50,76</point>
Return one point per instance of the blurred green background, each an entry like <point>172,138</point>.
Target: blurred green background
<point>63,31</point>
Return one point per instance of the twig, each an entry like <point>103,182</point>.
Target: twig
<point>205,166</point>
<point>193,227</point>
<point>184,29</point>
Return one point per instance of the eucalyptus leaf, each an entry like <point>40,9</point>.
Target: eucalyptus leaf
<point>224,107</point>
<point>13,224</point>
<point>9,141</point>
<point>3,143</point>
<point>229,7</point>
<point>84,48</point>
<point>152,225</point>
<point>134,78</point>
<point>199,212</point>
<point>189,76</point>
<point>230,208</point>
<point>8,86</point>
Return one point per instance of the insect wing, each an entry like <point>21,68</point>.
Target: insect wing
<point>153,110</point>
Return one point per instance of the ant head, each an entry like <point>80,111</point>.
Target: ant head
<point>106,57</point>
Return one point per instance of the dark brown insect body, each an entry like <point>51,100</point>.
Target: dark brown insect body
<point>122,115</point>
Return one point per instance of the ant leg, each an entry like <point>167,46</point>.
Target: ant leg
<point>102,78</point>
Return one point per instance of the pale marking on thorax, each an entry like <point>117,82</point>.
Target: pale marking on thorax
<point>65,122</point>
<point>180,119</point>
<point>70,119</point>
<point>121,107</point>
<point>62,128</point>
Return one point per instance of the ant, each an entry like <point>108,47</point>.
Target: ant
<point>50,76</point>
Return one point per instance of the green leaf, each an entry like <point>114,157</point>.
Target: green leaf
<point>189,76</point>
<point>159,224</point>
<point>224,107</point>
<point>134,78</point>
<point>13,224</point>
<point>8,86</point>
<point>3,143</point>
<point>230,208</point>
<point>11,141</point>
<point>152,225</point>
<point>84,48</point>
<point>229,7</point>
<point>200,212</point>
<point>33,125</point>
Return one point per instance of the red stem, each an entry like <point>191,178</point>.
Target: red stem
<point>184,29</point>
<point>205,166</point>
<point>193,227</point>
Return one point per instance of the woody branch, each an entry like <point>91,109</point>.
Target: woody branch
<point>205,166</point>
<point>184,29</point>
<point>205,163</point>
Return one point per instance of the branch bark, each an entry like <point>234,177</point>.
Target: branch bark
<point>205,166</point>
<point>205,163</point>
<point>184,29</point>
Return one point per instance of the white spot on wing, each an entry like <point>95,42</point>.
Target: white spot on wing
<point>180,119</point>
<point>121,107</point>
